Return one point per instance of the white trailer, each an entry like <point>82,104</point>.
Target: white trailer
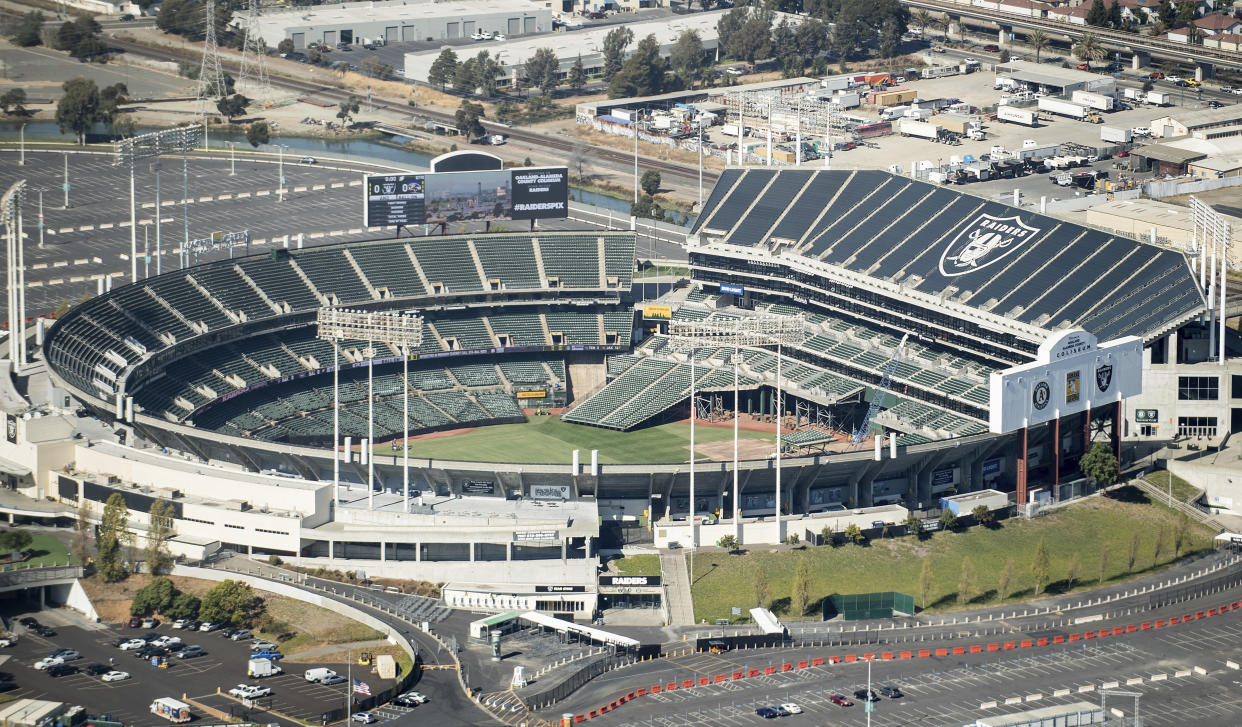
<point>1116,135</point>
<point>1016,115</point>
<point>922,129</point>
<point>940,71</point>
<point>1063,108</point>
<point>1097,101</point>
<point>1159,98</point>
<point>733,130</point>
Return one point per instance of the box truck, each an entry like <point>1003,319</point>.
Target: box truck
<point>1116,135</point>
<point>1097,101</point>
<point>262,668</point>
<point>1015,115</point>
<point>922,129</point>
<point>171,709</point>
<point>733,129</point>
<point>1070,109</point>
<point>1159,98</point>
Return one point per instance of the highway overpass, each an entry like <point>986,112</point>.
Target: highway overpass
<point>1140,46</point>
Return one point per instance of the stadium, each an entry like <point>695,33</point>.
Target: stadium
<point>911,296</point>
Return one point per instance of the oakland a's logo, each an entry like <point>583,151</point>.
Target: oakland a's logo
<point>1104,378</point>
<point>1041,395</point>
<point>986,240</point>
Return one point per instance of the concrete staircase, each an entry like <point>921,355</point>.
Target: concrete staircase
<point>677,588</point>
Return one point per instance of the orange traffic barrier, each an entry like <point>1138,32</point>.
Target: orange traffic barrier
<point>803,664</point>
<point>993,647</point>
<point>1058,639</point>
<point>976,649</point>
<point>817,661</point>
<point>959,650</point>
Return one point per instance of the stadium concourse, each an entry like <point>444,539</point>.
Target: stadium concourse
<point>215,378</point>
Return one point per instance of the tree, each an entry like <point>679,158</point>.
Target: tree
<point>687,58</point>
<point>615,43</point>
<point>113,531</point>
<point>29,30</point>
<point>78,109</point>
<point>854,534</point>
<point>543,69</point>
<point>346,110</point>
<point>650,182</point>
<point>155,597</point>
<point>13,101</point>
<point>111,98</point>
<point>792,539</point>
<point>1038,40</point>
<point>1162,535</point>
<point>966,582</point>
<point>914,525</point>
<point>184,605</point>
<point>285,47</point>
<point>1005,581</point>
<point>801,596</point>
<point>159,532</point>
<point>375,67</point>
<point>577,75</point>
<point>925,579</point>
<point>982,515</point>
<point>1186,12</point>
<point>753,39</point>
<point>467,119</point>
<point>642,74</point>
<point>484,71</point>
<point>760,588</point>
<point>232,106</point>
<point>1132,552</point>
<point>827,535</point>
<point>1114,14</point>
<point>948,521</point>
<point>727,542</point>
<point>1097,14</point>
<point>1041,566</point>
<point>258,133</point>
<point>1100,465</point>
<point>922,19</point>
<point>1104,553</point>
<point>1166,13</point>
<point>15,540</point>
<point>1181,532</point>
<point>1071,572</point>
<point>1089,48</point>
<point>231,602</point>
<point>79,546</point>
<point>443,69</point>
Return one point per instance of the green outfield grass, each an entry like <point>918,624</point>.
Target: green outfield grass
<point>642,564</point>
<point>722,580</point>
<point>548,439</point>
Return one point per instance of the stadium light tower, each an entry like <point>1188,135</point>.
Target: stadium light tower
<point>396,329</point>
<point>747,332</point>
<point>11,207</point>
<point>1211,234</point>
<point>183,139</point>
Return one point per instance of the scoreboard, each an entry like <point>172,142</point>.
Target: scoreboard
<point>394,199</point>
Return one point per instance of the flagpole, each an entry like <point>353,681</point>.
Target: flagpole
<point>349,681</point>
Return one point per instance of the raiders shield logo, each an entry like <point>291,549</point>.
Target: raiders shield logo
<point>985,241</point>
<point>1041,395</point>
<point>1104,378</point>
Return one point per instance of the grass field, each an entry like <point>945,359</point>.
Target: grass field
<point>1182,490</point>
<point>548,439</point>
<point>44,550</point>
<point>722,580</point>
<point>643,564</point>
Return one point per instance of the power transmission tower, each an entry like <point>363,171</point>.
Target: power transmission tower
<point>210,75</point>
<point>253,78</point>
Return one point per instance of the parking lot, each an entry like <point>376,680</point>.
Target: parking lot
<point>223,667</point>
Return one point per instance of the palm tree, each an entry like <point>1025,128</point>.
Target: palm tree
<point>921,18</point>
<point>943,23</point>
<point>1089,48</point>
<point>1038,40</point>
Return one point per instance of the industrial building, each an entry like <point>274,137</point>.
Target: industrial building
<point>404,21</point>
<point>585,44</point>
<point>1055,81</point>
<point>1204,124</point>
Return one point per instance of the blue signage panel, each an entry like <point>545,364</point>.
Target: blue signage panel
<point>734,289</point>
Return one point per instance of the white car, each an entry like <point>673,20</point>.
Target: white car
<point>791,708</point>
<point>166,640</point>
<point>208,626</point>
<point>364,717</point>
<point>8,640</point>
<point>573,23</point>
<point>414,697</point>
<point>249,691</point>
<point>133,644</point>
<point>262,646</point>
<point>732,71</point>
<point>47,661</point>
<point>1140,131</point>
<point>180,623</point>
<point>115,676</point>
<point>499,36</point>
<point>480,35</point>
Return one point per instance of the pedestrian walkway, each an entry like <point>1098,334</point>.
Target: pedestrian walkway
<point>677,588</point>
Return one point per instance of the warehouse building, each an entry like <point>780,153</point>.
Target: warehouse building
<point>403,21</point>
<point>1056,81</point>
<point>1204,124</point>
<point>586,44</point>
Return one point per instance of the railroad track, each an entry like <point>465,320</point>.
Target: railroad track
<point>332,95</point>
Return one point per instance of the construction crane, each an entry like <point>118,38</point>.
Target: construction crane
<point>877,400</point>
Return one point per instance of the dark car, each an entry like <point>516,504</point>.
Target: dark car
<point>890,691</point>
<point>127,17</point>
<point>334,679</point>
<point>116,643</point>
<point>867,695</point>
<point>96,669</point>
<point>174,646</point>
<point>193,625</point>
<point>149,636</point>
<point>44,631</point>
<point>227,633</point>
<point>991,48</point>
<point>190,652</point>
<point>767,713</point>
<point>840,700</point>
<point>596,16</point>
<point>60,670</point>
<point>28,622</point>
<point>134,622</point>
<point>1214,104</point>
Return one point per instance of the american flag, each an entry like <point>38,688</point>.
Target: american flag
<point>361,687</point>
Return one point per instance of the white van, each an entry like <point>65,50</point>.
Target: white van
<point>318,675</point>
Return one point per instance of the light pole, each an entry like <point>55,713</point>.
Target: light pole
<point>42,226</point>
<point>11,207</point>
<point>280,191</point>
<point>158,215</point>
<point>700,166</point>
<point>635,157</point>
<point>232,159</point>
<point>397,329</point>
<point>748,331</point>
<point>147,146</point>
<point>22,160</point>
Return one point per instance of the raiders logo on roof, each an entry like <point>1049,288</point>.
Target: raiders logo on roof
<point>985,241</point>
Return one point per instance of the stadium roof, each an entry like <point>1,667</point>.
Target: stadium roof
<point>944,247</point>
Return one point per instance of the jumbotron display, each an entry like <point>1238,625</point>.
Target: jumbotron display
<point>528,193</point>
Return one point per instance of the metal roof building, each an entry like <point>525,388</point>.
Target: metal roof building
<point>1054,78</point>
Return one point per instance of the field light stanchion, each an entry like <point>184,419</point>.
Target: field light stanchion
<point>405,420</point>
<point>185,203</point>
<point>370,425</point>
<point>11,205</point>
<point>158,215</point>
<point>694,534</point>
<point>737,412</point>
<point>780,405</point>
<point>135,149</point>
<point>336,424</point>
